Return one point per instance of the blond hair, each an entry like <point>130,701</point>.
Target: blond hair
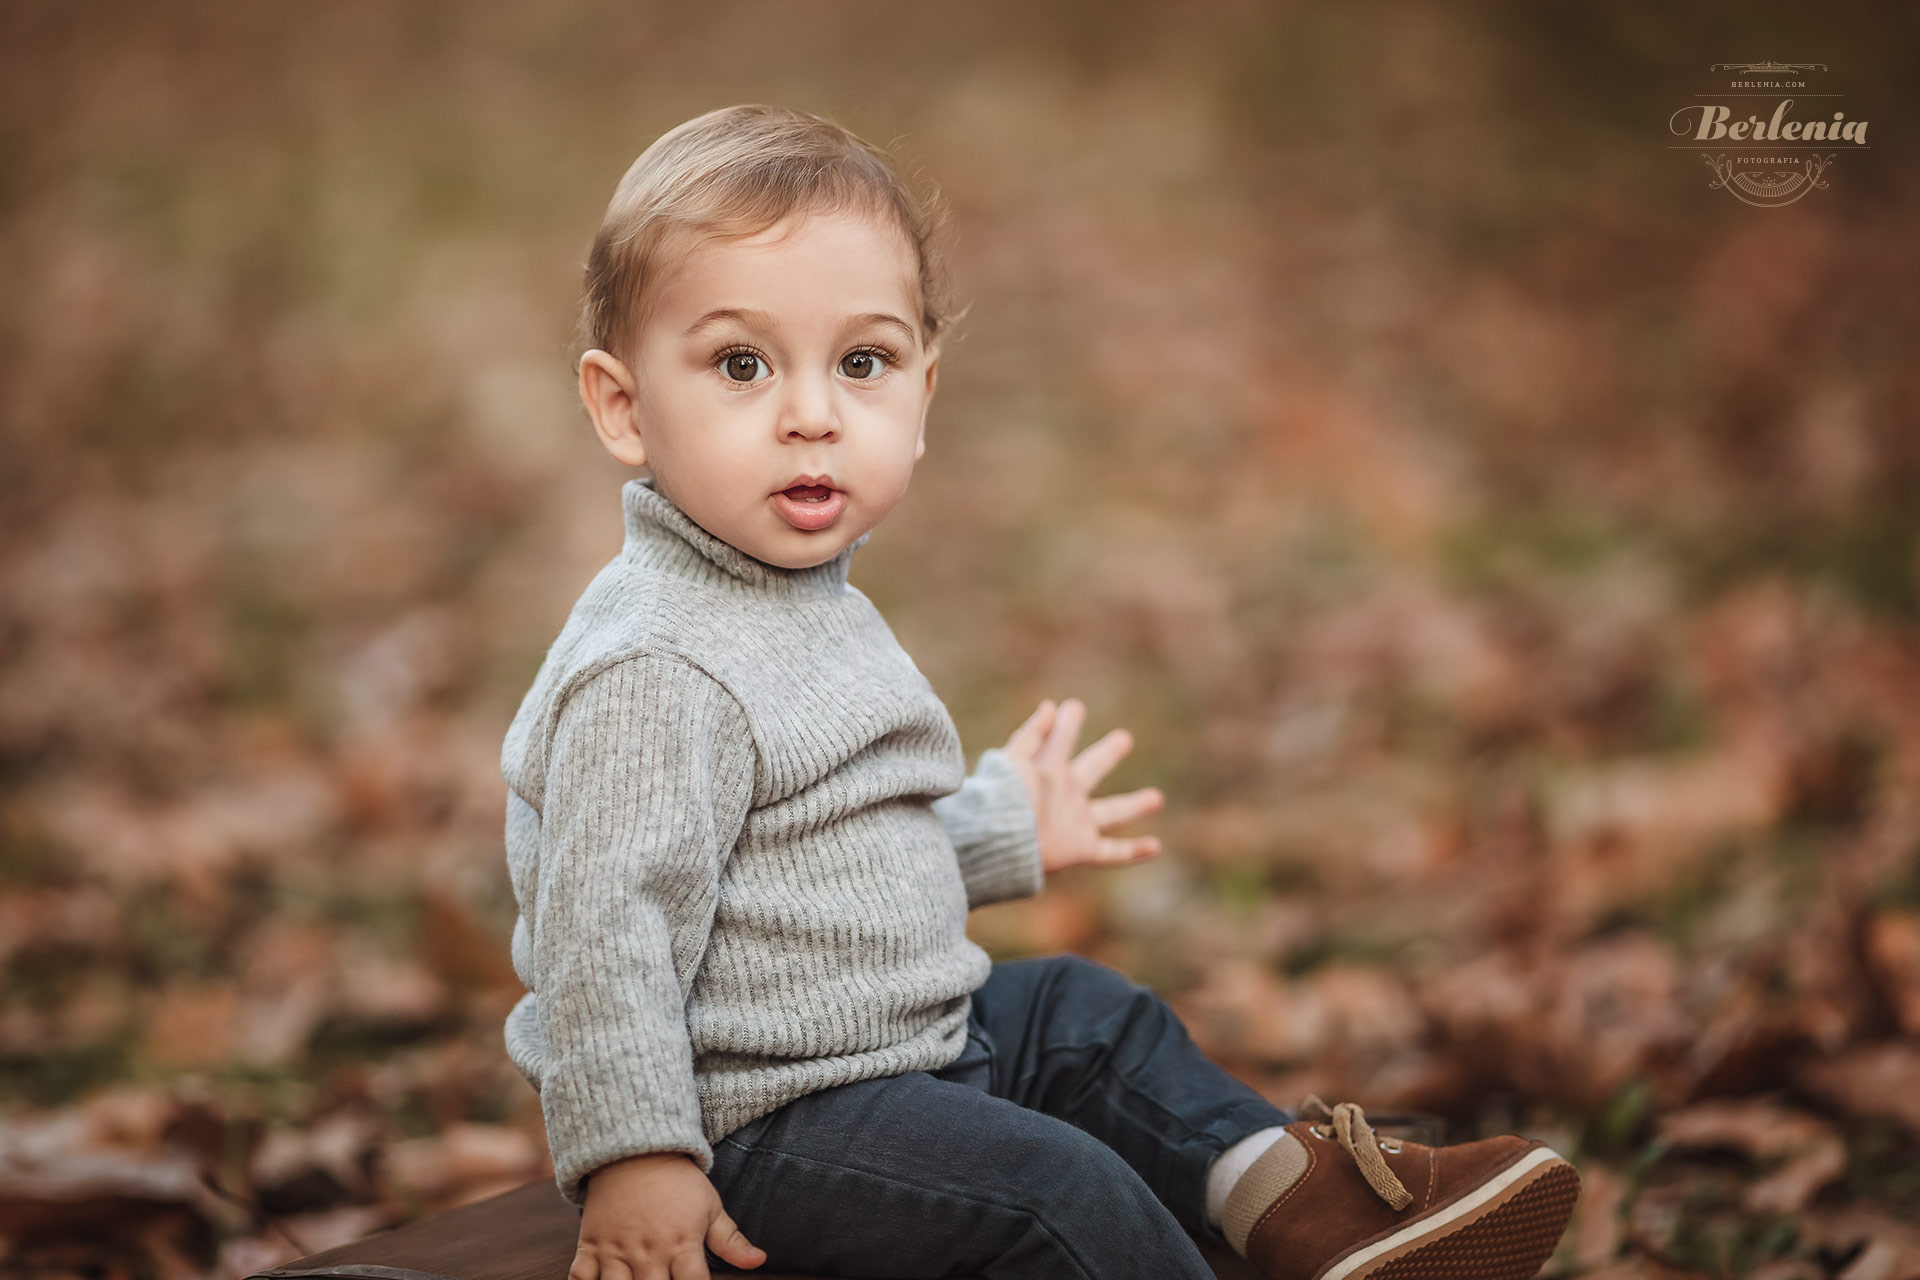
<point>737,171</point>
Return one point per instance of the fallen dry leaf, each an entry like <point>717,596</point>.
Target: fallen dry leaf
<point>1874,1080</point>
<point>1893,955</point>
<point>1806,1152</point>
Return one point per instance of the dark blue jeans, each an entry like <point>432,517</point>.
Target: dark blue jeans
<point>1070,1140</point>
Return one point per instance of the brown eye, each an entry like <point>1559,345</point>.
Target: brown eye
<point>863,366</point>
<point>744,366</point>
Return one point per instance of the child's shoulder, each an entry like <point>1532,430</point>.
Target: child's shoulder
<point>634,611</point>
<point>627,614</point>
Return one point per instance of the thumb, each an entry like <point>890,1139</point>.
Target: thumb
<point>725,1239</point>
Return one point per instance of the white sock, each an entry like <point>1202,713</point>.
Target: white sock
<point>1260,1186</point>
<point>1231,1163</point>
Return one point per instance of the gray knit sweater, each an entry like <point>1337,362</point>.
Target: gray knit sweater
<point>743,844</point>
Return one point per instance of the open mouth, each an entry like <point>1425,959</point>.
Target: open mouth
<point>810,506</point>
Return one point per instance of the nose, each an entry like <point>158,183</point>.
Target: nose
<point>808,410</point>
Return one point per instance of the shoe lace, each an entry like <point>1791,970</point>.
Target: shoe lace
<point>1351,1129</point>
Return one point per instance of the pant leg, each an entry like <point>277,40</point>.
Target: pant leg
<point>1075,1039</point>
<point>913,1177</point>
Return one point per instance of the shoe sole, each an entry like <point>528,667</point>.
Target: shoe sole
<point>1503,1229</point>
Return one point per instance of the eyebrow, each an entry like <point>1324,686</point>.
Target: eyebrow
<point>746,315</point>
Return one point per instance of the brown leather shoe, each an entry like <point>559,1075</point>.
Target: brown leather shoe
<point>1370,1208</point>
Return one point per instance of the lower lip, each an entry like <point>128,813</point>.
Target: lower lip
<point>811,515</point>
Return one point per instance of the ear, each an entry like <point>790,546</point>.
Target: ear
<point>933,379</point>
<point>611,396</point>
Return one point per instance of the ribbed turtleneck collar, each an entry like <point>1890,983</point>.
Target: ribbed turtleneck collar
<point>663,536</point>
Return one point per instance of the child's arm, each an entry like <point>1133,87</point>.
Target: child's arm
<point>648,781</point>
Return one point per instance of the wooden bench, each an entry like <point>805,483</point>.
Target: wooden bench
<point>528,1233</point>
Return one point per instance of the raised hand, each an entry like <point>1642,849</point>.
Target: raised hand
<point>1072,821</point>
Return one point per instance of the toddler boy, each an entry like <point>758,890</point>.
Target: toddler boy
<point>744,844</point>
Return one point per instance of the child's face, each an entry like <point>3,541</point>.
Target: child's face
<point>794,353</point>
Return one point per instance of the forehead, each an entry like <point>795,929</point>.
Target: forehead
<point>806,266</point>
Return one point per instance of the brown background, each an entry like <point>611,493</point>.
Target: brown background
<point>1504,548</point>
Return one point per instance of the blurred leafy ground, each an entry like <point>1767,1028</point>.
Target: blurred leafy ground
<point>1504,549</point>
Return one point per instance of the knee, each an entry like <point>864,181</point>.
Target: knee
<point>1090,984</point>
<point>1088,1205</point>
<point>1069,1180</point>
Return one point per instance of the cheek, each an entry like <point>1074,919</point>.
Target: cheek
<point>897,404</point>
<point>887,423</point>
<point>692,415</point>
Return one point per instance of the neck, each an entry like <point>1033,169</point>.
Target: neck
<point>661,535</point>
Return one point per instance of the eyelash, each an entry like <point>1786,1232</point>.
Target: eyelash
<point>887,354</point>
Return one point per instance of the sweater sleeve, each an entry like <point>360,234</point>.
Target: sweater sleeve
<point>991,821</point>
<point>649,780</point>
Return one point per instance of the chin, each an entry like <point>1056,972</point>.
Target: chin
<point>810,558</point>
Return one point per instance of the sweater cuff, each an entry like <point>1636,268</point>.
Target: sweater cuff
<point>637,1107</point>
<point>620,1098</point>
<point>995,836</point>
